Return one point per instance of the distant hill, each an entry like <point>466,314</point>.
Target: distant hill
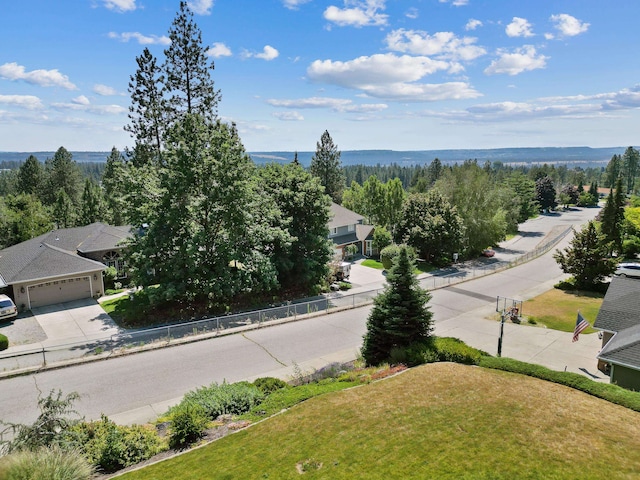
<point>572,156</point>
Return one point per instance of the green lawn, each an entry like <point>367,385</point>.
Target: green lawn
<point>440,420</point>
<point>421,267</point>
<point>558,309</point>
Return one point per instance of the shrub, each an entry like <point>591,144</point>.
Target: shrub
<point>454,350</point>
<point>388,255</point>
<point>45,463</point>
<point>344,285</point>
<point>112,447</point>
<point>232,398</point>
<point>4,342</point>
<point>268,385</point>
<point>51,428</point>
<point>631,246</point>
<point>188,424</point>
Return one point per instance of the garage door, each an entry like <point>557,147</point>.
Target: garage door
<point>59,291</point>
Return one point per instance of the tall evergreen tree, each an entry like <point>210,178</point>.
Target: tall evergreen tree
<point>400,318</point>
<point>587,258</point>
<point>92,206</point>
<point>114,191</point>
<point>64,210</point>
<point>613,170</point>
<point>546,193</point>
<point>325,164</point>
<point>148,110</point>
<point>62,173</point>
<point>630,160</point>
<point>30,176</point>
<point>188,71</point>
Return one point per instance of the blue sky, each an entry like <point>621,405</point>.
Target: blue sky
<point>377,74</point>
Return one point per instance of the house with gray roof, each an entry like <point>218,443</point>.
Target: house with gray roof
<point>62,265</point>
<point>347,228</point>
<point>619,322</point>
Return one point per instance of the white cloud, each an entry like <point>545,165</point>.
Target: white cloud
<point>201,7</point>
<point>44,78</point>
<point>519,27</point>
<point>357,13</point>
<point>218,50</point>
<point>142,39</point>
<point>335,104</point>
<point>445,45</point>
<point>472,24</point>
<point>294,4</point>
<point>521,60</point>
<point>390,77</point>
<point>567,25</point>
<point>82,104</point>
<point>268,53</point>
<point>412,13</point>
<point>81,100</point>
<point>288,116</point>
<point>120,5</point>
<point>29,102</point>
<point>104,90</point>
<point>456,3</point>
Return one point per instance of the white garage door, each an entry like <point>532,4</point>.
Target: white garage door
<point>59,291</point>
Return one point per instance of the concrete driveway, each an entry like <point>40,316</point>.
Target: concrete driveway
<point>75,321</point>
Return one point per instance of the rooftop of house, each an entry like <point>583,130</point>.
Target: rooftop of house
<point>341,216</point>
<point>621,305</point>
<point>57,252</point>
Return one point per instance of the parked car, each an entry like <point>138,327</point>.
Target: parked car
<point>628,270</point>
<point>488,252</point>
<point>7,308</point>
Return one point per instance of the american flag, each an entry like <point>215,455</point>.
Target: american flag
<point>581,324</point>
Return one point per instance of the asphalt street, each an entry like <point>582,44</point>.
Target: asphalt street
<point>137,388</point>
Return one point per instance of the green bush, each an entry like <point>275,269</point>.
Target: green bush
<point>45,463</point>
<point>188,424</point>
<point>631,246</point>
<point>227,398</point>
<point>345,285</point>
<point>112,447</point>
<point>388,255</point>
<point>268,385</point>
<point>4,342</point>
<point>450,349</point>
<point>606,391</point>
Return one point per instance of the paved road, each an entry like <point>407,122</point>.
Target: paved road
<point>137,388</point>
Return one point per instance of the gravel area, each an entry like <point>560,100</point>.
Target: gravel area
<point>23,330</point>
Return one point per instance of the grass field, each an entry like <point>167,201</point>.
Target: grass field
<point>421,267</point>
<point>558,309</point>
<point>442,420</point>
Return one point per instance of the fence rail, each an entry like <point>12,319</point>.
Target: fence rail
<point>165,335</point>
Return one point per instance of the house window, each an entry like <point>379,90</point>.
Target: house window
<point>113,259</point>
<point>351,228</point>
<point>368,247</point>
<point>334,231</point>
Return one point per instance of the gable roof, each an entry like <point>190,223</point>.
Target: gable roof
<point>341,216</point>
<point>621,306</point>
<point>623,348</point>
<point>56,253</point>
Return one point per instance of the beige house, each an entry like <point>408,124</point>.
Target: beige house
<point>62,265</point>
<point>348,228</point>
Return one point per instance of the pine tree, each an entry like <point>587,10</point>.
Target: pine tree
<point>148,110</point>
<point>92,208</point>
<point>587,258</point>
<point>400,318</point>
<point>188,72</point>
<point>62,172</point>
<point>630,160</point>
<point>114,192</point>
<point>30,176</point>
<point>325,165</point>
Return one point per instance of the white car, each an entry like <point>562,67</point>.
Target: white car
<point>7,308</point>
<point>628,270</point>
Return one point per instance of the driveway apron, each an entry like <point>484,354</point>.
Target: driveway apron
<point>75,321</point>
